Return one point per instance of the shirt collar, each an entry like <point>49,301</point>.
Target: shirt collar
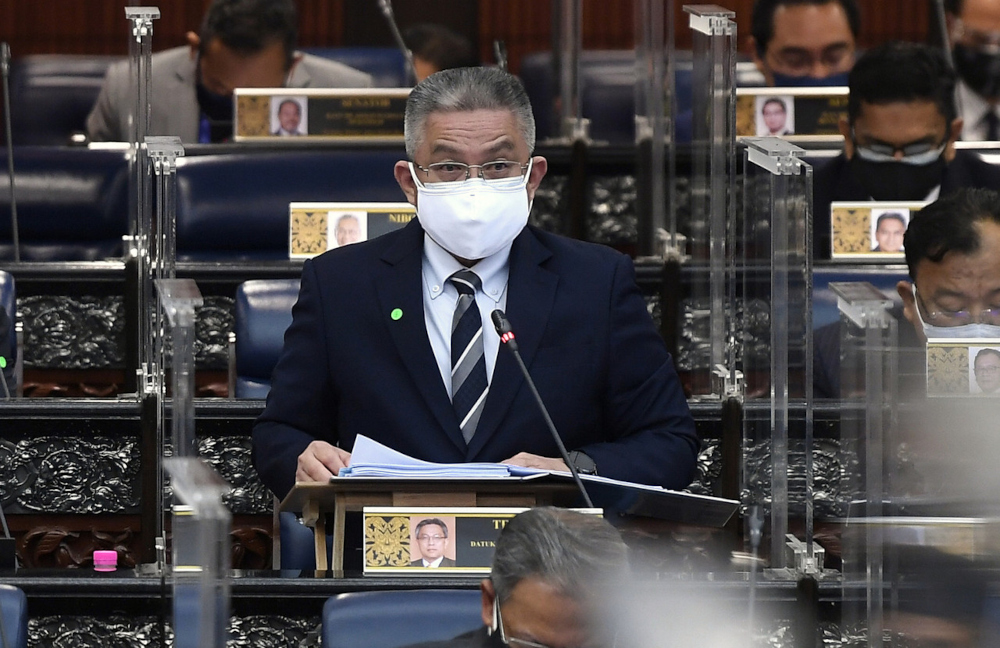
<point>492,271</point>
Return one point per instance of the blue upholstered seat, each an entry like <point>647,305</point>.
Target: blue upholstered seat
<point>52,94</point>
<point>263,312</point>
<point>398,618</point>
<point>234,206</point>
<point>14,615</point>
<point>72,204</point>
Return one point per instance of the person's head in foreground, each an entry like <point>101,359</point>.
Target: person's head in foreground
<point>469,135</point>
<point>551,568</point>
<point>953,258</point>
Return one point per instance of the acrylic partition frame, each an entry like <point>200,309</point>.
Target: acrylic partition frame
<point>201,554</point>
<point>869,376</point>
<point>567,38</point>
<point>713,182</point>
<point>655,110</point>
<point>775,269</point>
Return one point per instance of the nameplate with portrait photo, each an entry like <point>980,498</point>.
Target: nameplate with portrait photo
<point>307,114</point>
<point>795,114</point>
<point>443,541</point>
<point>870,231</point>
<point>963,367</point>
<point>315,227</point>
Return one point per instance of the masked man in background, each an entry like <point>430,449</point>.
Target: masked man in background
<point>974,31</point>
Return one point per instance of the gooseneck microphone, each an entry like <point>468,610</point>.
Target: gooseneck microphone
<point>385,6</point>
<point>5,73</point>
<point>502,325</point>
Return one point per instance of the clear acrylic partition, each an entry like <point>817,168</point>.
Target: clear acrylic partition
<point>201,554</point>
<point>775,254</point>
<point>655,107</point>
<point>140,181</point>
<point>868,380</point>
<point>713,178</point>
<point>568,36</point>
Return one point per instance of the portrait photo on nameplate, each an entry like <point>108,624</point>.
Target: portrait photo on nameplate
<point>315,227</point>
<point>963,367</point>
<point>870,231</point>
<point>796,114</point>
<point>434,540</point>
<point>372,115</point>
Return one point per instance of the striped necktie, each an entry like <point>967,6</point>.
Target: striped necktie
<point>468,364</point>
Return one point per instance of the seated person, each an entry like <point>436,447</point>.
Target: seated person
<point>436,48</point>
<point>553,570</point>
<point>372,348</point>
<point>953,258</point>
<point>974,30</point>
<point>899,137</point>
<point>242,44</point>
<point>7,351</point>
<point>798,43</point>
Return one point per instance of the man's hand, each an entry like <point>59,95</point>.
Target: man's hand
<point>320,461</point>
<point>529,460</point>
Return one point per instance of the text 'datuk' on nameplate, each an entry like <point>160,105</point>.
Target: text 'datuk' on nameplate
<point>315,227</point>
<point>796,114</point>
<point>307,114</point>
<point>426,541</point>
<point>870,231</point>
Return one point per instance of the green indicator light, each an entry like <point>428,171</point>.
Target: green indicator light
<point>396,314</point>
<point>3,362</point>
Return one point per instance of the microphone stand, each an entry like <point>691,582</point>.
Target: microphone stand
<point>502,325</point>
<point>386,7</point>
<point>5,72</point>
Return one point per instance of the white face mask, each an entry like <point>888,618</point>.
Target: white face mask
<point>973,330</point>
<point>475,218</point>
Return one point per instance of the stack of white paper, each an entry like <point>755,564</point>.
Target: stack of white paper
<point>372,459</point>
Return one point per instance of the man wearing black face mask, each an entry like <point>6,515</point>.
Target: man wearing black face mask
<point>242,44</point>
<point>974,29</point>
<point>899,138</point>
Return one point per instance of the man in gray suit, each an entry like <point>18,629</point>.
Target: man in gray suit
<point>242,44</point>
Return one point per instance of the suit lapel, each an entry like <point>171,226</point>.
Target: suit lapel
<point>531,292</point>
<point>400,286</point>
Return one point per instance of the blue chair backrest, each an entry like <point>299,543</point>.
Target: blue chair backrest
<point>397,618</point>
<point>235,205</point>
<point>263,313</point>
<point>72,204</point>
<point>52,94</point>
<point>386,65</point>
<point>14,615</point>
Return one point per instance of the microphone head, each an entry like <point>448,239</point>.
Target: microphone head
<point>500,322</point>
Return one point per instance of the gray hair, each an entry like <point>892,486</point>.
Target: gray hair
<point>574,552</point>
<point>466,89</point>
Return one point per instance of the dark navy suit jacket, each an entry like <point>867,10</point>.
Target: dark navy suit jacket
<point>349,368</point>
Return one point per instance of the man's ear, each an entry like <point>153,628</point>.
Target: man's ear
<point>539,166</point>
<point>956,132</point>
<point>486,588</point>
<point>405,180</point>
<point>844,127</point>
<point>905,291</point>
<point>194,43</point>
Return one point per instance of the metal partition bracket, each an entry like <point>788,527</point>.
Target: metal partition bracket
<point>711,20</point>
<point>774,154</point>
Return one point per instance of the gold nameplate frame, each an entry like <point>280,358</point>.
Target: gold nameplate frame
<point>870,231</point>
<point>369,115</point>
<point>315,227</point>
<point>798,114</point>
<point>963,367</point>
<point>464,545</point>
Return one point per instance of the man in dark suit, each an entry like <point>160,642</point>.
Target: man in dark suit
<point>899,137</point>
<point>371,348</point>
<point>554,574</point>
<point>432,540</point>
<point>242,44</point>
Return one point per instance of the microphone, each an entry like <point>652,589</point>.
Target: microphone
<point>502,325</point>
<point>5,73</point>
<point>386,7</point>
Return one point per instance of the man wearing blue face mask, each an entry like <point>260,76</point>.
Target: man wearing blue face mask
<point>899,137</point>
<point>392,337</point>
<point>242,44</point>
<point>798,43</point>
